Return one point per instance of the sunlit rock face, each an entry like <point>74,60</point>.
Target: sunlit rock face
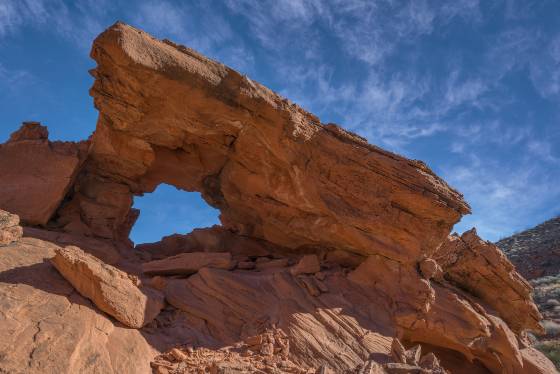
<point>330,249</point>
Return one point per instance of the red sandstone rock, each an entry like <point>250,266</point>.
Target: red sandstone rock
<point>47,327</point>
<point>37,174</point>
<point>10,230</point>
<point>188,263</point>
<point>285,184</point>
<point>254,155</point>
<point>30,131</point>
<point>430,269</point>
<point>110,289</point>
<point>482,268</point>
<point>308,264</point>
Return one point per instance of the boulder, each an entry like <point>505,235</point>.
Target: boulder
<point>110,289</point>
<point>188,263</point>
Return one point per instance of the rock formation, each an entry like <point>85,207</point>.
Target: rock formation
<point>327,244</point>
<point>536,253</point>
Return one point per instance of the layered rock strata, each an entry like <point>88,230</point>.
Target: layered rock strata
<point>339,244</point>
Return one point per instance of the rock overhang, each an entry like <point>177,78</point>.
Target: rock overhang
<point>170,115</point>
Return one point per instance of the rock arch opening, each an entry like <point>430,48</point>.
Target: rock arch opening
<point>169,210</point>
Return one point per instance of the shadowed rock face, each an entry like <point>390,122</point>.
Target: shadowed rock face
<point>339,244</point>
<point>37,174</point>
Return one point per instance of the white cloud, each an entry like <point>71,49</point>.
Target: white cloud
<point>160,17</point>
<point>78,24</point>
<point>542,149</point>
<point>9,17</point>
<point>545,70</point>
<point>15,80</point>
<point>504,198</point>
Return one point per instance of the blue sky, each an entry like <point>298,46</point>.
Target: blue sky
<point>471,87</point>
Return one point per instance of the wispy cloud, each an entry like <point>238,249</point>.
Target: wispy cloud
<point>545,71</point>
<point>504,196</point>
<point>15,81</point>
<point>9,17</point>
<point>196,25</point>
<point>77,23</point>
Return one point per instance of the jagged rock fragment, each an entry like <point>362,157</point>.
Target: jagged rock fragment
<point>110,289</point>
<point>482,268</point>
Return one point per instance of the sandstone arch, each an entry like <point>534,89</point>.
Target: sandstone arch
<point>286,183</point>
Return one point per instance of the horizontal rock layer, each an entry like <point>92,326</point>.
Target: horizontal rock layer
<point>188,263</point>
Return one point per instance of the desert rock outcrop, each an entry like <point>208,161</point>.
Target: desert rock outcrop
<point>327,244</point>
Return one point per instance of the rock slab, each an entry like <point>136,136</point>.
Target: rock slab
<point>110,289</point>
<point>188,263</point>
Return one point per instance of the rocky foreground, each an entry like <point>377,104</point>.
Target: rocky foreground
<point>333,256</point>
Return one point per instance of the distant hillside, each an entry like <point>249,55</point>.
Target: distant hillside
<point>535,252</point>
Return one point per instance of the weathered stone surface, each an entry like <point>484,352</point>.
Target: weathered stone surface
<point>188,263</point>
<point>111,290</point>
<point>46,327</point>
<point>256,156</point>
<point>10,230</point>
<point>30,131</point>
<point>419,307</point>
<point>286,185</point>
<point>483,269</point>
<point>308,264</point>
<point>36,173</point>
<point>236,305</point>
